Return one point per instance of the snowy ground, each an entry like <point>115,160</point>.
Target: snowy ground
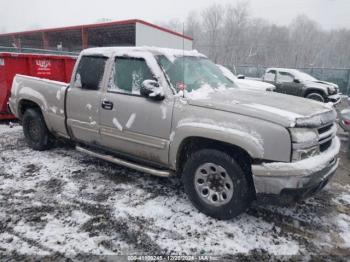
<point>62,203</point>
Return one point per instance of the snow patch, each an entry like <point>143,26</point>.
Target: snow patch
<point>163,108</point>
<point>117,124</point>
<point>130,120</point>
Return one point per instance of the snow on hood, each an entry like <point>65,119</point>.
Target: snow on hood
<point>285,110</point>
<point>322,85</point>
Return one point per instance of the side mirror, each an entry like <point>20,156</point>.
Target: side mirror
<point>241,76</point>
<point>296,80</point>
<point>151,89</point>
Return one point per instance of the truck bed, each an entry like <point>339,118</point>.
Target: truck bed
<point>49,96</point>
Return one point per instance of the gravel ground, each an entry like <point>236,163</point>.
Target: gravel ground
<point>61,203</point>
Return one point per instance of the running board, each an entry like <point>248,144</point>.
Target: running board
<point>118,161</point>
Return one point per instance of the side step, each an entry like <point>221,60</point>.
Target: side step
<point>118,161</point>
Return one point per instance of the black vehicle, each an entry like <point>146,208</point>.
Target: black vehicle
<point>297,83</point>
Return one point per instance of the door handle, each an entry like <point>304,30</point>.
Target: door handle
<point>108,105</point>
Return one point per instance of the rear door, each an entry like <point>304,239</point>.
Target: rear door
<point>130,123</point>
<point>83,99</point>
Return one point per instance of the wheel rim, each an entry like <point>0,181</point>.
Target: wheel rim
<point>33,130</point>
<point>213,184</point>
<point>316,97</point>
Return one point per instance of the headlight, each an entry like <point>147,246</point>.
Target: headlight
<point>300,154</point>
<point>305,143</point>
<point>331,90</point>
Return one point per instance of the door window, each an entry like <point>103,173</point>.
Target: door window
<point>270,76</point>
<point>285,77</point>
<point>90,72</point>
<point>128,75</point>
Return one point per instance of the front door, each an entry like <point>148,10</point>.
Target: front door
<point>131,123</point>
<point>286,80</point>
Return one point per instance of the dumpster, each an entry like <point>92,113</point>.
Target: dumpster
<point>53,67</point>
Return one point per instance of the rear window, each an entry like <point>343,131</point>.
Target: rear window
<point>270,76</point>
<point>90,72</point>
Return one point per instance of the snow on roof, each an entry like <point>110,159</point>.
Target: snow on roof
<point>288,70</point>
<point>171,54</point>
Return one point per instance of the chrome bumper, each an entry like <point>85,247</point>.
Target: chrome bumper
<point>273,178</point>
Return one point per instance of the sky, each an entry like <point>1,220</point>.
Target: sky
<point>19,15</point>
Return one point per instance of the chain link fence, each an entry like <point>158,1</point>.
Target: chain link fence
<point>341,77</point>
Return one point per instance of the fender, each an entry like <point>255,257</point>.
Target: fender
<point>251,143</point>
<point>34,96</point>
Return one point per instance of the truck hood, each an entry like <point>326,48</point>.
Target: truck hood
<point>285,110</point>
<point>323,85</point>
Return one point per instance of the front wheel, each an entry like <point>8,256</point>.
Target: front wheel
<point>316,96</point>
<point>216,184</point>
<point>35,131</point>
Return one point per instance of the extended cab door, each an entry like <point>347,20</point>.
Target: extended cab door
<point>83,99</point>
<point>130,123</point>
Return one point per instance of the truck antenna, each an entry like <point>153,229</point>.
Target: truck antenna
<point>183,57</point>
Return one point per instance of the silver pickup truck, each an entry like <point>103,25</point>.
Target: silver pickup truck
<point>168,112</point>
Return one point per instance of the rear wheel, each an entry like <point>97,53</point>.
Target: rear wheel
<point>35,130</point>
<point>316,96</point>
<point>216,184</point>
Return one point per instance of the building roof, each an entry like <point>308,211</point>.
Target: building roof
<point>97,25</point>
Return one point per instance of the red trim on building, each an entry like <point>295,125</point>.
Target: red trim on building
<point>87,26</point>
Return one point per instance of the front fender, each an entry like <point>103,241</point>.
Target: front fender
<point>250,142</point>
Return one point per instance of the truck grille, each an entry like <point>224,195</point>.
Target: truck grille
<point>326,134</point>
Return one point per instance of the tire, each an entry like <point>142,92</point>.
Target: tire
<point>316,96</point>
<point>208,195</point>
<point>35,130</point>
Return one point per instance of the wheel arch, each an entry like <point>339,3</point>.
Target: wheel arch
<point>315,90</point>
<point>194,143</point>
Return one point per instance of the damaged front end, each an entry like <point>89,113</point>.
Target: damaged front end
<point>314,161</point>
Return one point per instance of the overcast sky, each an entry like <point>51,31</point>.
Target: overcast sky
<point>19,15</point>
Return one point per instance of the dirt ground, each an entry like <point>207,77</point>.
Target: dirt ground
<point>61,203</point>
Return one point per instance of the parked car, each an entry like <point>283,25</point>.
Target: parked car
<point>297,83</point>
<point>244,83</point>
<point>173,112</point>
<point>344,117</point>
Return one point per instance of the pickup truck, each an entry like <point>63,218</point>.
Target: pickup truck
<point>172,112</point>
<point>297,83</point>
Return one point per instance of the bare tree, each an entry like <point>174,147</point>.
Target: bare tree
<point>229,35</point>
<point>212,26</point>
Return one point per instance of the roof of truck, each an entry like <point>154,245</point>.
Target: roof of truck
<point>120,51</point>
<point>289,70</point>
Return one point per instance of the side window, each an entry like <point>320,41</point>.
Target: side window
<point>90,72</point>
<point>128,75</point>
<point>270,76</point>
<point>285,77</point>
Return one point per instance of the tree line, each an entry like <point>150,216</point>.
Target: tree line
<point>229,35</point>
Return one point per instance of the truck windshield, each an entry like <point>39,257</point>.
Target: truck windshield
<point>305,77</point>
<point>191,73</point>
